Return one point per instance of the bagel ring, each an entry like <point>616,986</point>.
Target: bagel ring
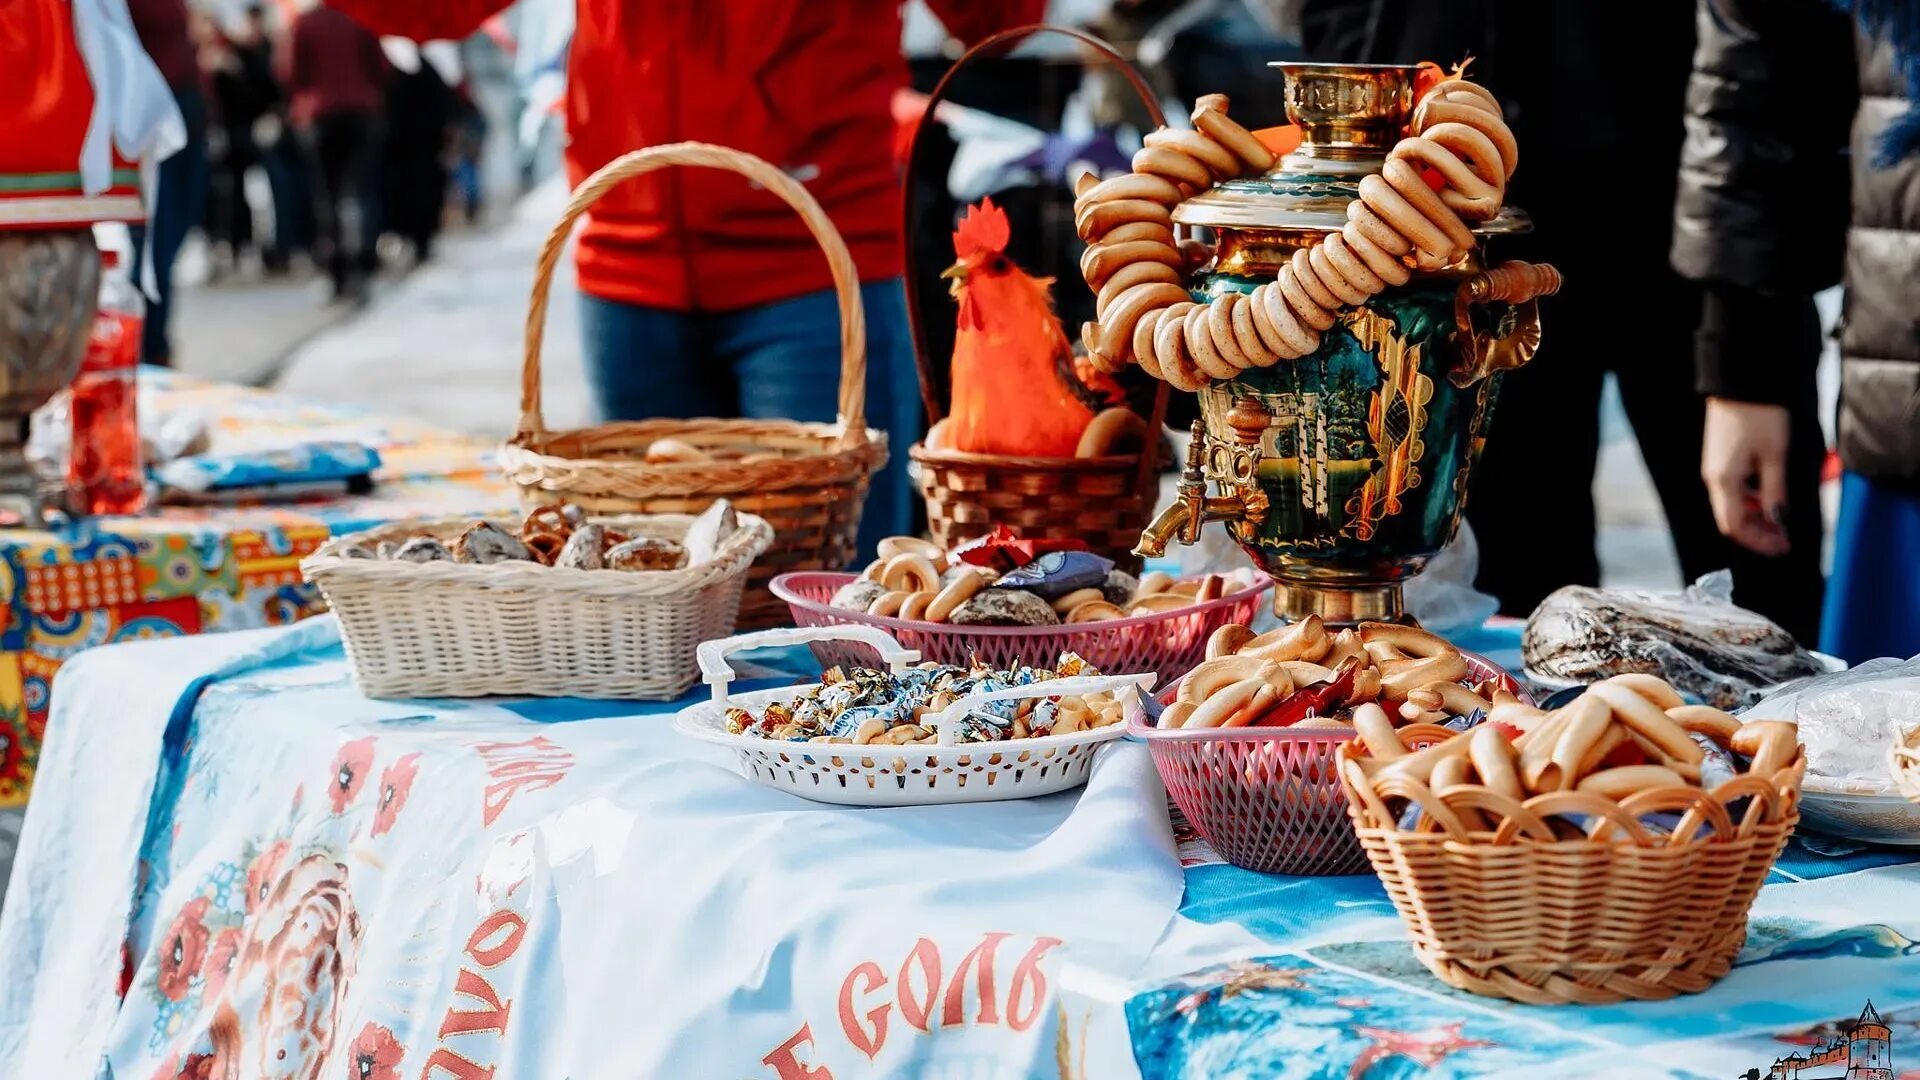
<point>888,604</point>
<point>910,545</point>
<point>1095,219</point>
<point>1093,611</point>
<point>957,592</point>
<point>910,573</point>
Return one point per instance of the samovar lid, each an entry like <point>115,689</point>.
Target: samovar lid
<point>1349,116</point>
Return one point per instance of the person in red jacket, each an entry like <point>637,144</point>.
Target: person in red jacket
<point>705,295</point>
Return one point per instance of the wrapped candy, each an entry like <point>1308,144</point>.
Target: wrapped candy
<point>1001,551</point>
<point>1057,573</point>
<point>857,702</point>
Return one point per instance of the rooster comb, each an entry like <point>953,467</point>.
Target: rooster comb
<point>983,230</point>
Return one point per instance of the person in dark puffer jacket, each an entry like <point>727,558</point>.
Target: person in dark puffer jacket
<point>1801,112</point>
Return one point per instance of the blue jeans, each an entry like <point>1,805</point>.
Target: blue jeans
<point>775,361</point>
<point>1873,597</point>
<point>179,205</point>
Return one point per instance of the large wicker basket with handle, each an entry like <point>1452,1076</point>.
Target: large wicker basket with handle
<point>1518,912</point>
<point>1105,500</point>
<point>808,480</point>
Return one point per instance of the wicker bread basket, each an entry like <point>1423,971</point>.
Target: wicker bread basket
<point>1518,913</point>
<point>444,629</point>
<point>808,480</point>
<point>1104,501</point>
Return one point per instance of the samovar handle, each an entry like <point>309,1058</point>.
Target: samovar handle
<point>1514,343</point>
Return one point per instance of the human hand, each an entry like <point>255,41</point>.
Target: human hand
<point>1743,459</point>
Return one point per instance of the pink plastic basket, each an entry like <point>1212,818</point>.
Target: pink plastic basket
<point>1267,799</point>
<point>1169,644</point>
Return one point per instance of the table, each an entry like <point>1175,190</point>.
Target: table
<point>193,570</point>
<point>564,888</point>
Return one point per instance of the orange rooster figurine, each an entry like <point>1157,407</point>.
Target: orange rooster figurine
<point>1018,390</point>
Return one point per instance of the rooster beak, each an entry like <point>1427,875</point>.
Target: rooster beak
<point>956,272</point>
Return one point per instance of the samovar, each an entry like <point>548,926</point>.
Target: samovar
<point>1341,473</point>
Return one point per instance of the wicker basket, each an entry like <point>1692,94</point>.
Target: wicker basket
<point>1520,914</point>
<point>445,629</point>
<point>1105,501</point>
<point>808,480</point>
<point>1268,799</point>
<point>1167,643</point>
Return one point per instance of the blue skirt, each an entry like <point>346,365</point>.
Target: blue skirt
<point>1873,596</point>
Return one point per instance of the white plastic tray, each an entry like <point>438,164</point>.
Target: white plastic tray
<point>887,775</point>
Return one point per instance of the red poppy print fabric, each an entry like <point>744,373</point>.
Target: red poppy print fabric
<point>396,783</point>
<point>350,768</point>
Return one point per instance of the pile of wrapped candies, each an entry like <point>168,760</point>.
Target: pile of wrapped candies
<point>1003,580</point>
<point>862,706</point>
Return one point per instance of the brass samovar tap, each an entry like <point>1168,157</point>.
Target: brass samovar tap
<point>1192,507</point>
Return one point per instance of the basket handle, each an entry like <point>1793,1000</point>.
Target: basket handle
<point>947,720</point>
<point>717,673</point>
<point>916,318</point>
<point>846,279</point>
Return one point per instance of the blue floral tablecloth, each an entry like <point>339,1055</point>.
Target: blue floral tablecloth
<point>251,870</point>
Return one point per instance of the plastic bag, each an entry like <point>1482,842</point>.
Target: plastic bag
<point>1697,640</point>
<point>1848,719</point>
<point>1442,596</point>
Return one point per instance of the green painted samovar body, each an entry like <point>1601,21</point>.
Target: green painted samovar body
<point>1350,465</point>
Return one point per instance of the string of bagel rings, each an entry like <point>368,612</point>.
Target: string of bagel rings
<point>1399,223</point>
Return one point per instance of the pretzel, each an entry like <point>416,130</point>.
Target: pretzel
<point>545,544</point>
<point>546,519</point>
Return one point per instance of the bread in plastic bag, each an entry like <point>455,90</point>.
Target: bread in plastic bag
<point>1849,719</point>
<point>1698,640</point>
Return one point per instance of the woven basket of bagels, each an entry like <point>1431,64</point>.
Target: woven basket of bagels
<point>1606,851</point>
<point>808,480</point>
<point>452,627</point>
<point>1104,495</point>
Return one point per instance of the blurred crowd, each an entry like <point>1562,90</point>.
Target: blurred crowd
<point>310,141</point>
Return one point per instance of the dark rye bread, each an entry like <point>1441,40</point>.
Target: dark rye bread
<point>1726,655</point>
